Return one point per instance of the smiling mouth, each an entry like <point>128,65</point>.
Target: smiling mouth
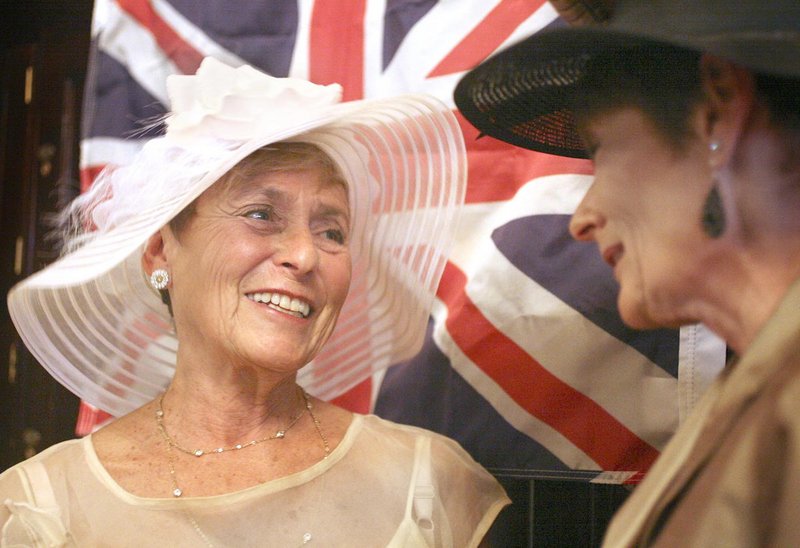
<point>282,303</point>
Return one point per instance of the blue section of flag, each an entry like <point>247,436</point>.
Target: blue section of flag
<point>542,248</point>
<point>427,392</point>
<point>400,16</point>
<point>261,33</point>
<point>116,105</point>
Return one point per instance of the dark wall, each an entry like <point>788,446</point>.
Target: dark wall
<point>32,21</point>
<point>43,52</point>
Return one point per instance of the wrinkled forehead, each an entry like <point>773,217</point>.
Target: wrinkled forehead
<point>284,157</point>
<point>280,187</point>
<point>266,162</point>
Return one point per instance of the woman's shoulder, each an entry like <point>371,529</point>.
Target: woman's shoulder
<point>56,455</point>
<point>784,396</point>
<point>30,504</point>
<point>455,475</point>
<point>395,435</point>
<point>30,515</point>
<point>386,426</point>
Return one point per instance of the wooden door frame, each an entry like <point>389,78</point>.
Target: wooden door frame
<point>43,71</point>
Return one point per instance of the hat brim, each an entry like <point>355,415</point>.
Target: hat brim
<point>524,94</point>
<point>94,323</point>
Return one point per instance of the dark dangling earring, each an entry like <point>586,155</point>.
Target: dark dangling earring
<point>713,214</point>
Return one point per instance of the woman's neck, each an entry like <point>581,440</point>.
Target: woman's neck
<point>743,299</point>
<point>204,411</point>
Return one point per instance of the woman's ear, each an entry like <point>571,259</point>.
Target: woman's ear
<point>730,99</point>
<point>154,255</point>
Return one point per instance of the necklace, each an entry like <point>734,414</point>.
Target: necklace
<point>202,452</point>
<point>280,434</point>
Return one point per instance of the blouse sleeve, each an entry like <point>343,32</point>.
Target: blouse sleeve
<point>29,515</point>
<point>467,498</point>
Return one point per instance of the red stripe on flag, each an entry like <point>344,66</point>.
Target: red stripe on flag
<point>487,36</point>
<point>357,399</point>
<point>88,174</point>
<point>89,419</point>
<point>578,418</point>
<point>180,52</point>
<point>336,51</point>
<point>497,170</point>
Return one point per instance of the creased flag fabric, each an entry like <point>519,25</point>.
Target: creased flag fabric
<point>526,362</point>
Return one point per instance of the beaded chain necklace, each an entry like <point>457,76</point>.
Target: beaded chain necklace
<point>280,434</point>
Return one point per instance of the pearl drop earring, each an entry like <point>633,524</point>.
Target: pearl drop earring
<point>713,218</point>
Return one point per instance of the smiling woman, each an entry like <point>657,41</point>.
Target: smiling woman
<point>282,232</point>
<point>296,242</point>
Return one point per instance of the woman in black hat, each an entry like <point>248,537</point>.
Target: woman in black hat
<point>690,111</point>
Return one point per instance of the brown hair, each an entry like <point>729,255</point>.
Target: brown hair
<point>663,81</point>
<point>782,98</point>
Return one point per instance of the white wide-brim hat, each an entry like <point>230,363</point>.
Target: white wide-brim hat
<point>91,318</point>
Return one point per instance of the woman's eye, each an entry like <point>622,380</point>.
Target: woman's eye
<point>260,214</point>
<point>335,235</point>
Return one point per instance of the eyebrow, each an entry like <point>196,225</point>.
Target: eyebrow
<point>250,191</point>
<point>280,197</point>
<point>333,211</point>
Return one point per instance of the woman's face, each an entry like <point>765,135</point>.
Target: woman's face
<point>262,268</point>
<point>643,211</point>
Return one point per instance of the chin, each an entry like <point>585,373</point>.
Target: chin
<point>636,321</point>
<point>274,357</point>
<point>636,315</point>
<point>639,315</point>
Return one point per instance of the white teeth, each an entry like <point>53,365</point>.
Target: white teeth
<point>282,302</point>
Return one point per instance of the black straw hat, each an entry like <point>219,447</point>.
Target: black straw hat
<point>522,95</point>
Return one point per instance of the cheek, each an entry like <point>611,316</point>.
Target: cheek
<point>217,265</point>
<point>346,277</point>
<point>667,273</point>
<point>340,274</point>
<point>211,268</point>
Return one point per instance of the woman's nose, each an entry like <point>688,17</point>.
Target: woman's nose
<point>297,250</point>
<point>585,221</point>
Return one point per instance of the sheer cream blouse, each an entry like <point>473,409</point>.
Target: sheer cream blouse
<point>385,484</point>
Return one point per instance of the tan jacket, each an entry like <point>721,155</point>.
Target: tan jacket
<point>731,474</point>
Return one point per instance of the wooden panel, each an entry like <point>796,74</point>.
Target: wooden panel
<point>549,512</point>
<point>40,99</point>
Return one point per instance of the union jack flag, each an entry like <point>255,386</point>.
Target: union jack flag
<point>526,362</point>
